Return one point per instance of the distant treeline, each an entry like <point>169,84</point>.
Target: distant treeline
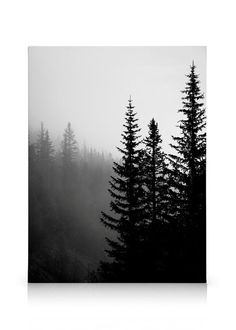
<point>155,229</point>
<point>67,189</point>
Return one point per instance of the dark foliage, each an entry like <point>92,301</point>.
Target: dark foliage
<point>155,228</point>
<point>127,203</point>
<point>155,172</point>
<point>168,223</point>
<point>187,180</point>
<point>156,205</point>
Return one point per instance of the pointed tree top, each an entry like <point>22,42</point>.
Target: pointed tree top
<point>153,123</point>
<point>130,106</point>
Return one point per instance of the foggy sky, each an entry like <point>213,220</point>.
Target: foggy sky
<point>90,86</point>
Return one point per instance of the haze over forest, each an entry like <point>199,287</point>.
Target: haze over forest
<point>89,86</point>
<point>135,213</point>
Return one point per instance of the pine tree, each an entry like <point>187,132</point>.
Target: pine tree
<point>69,148</point>
<point>69,168</point>
<point>127,203</point>
<point>49,149</point>
<point>190,147</point>
<point>41,143</point>
<point>188,177</point>
<point>44,151</point>
<point>156,208</point>
<point>155,172</point>
<point>32,153</point>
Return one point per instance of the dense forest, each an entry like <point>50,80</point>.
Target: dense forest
<point>140,218</point>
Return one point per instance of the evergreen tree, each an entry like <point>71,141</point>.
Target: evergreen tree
<point>69,147</point>
<point>40,144</point>
<point>49,149</point>
<point>69,154</point>
<point>127,203</point>
<point>156,205</point>
<point>188,178</point>
<point>44,151</point>
<point>32,154</point>
<point>190,147</point>
<point>155,172</point>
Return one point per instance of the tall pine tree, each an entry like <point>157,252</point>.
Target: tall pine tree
<point>69,147</point>
<point>127,203</point>
<point>188,178</point>
<point>155,172</point>
<point>156,204</point>
<point>44,153</point>
<point>69,154</point>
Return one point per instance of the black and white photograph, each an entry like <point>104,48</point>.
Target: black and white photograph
<point>117,164</point>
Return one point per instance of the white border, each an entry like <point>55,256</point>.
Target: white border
<point>124,22</point>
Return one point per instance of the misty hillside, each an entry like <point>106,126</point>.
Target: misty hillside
<point>139,219</point>
<point>65,202</point>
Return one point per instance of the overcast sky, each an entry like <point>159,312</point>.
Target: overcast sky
<point>90,86</point>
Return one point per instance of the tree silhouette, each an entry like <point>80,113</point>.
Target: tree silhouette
<point>49,149</point>
<point>69,153</point>
<point>155,227</point>
<point>188,178</point>
<point>44,153</point>
<point>127,203</point>
<point>69,147</point>
<point>156,204</point>
<point>65,239</point>
<point>155,171</point>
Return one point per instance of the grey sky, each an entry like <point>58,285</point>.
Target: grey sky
<point>90,86</point>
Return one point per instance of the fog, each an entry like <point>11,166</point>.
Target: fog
<point>77,109</point>
<point>90,86</point>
